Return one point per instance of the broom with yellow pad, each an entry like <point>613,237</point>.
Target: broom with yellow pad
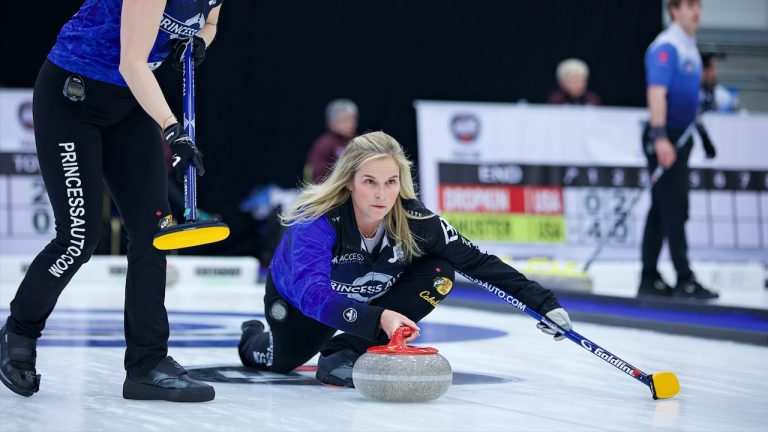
<point>192,232</point>
<point>663,385</point>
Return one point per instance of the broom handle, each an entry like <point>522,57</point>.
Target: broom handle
<point>190,177</point>
<point>578,339</point>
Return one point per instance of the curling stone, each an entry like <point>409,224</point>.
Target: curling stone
<point>397,372</point>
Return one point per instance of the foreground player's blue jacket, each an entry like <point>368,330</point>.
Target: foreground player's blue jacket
<point>89,44</point>
<point>323,269</point>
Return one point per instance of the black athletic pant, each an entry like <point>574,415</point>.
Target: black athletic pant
<point>294,337</point>
<point>107,138</point>
<point>669,211</point>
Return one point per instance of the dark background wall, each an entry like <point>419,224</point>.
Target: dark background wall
<point>275,64</point>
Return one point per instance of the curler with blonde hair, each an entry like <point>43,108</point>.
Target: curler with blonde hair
<point>317,199</point>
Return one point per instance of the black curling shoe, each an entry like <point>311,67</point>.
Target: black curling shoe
<point>167,381</point>
<point>249,328</point>
<point>692,289</point>
<point>336,368</point>
<point>17,363</point>
<point>654,288</point>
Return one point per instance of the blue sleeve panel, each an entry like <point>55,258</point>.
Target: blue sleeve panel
<point>301,271</point>
<point>660,65</point>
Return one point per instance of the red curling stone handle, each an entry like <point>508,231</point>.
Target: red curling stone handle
<point>397,345</point>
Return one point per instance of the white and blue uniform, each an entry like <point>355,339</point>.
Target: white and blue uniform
<point>673,61</point>
<point>89,44</point>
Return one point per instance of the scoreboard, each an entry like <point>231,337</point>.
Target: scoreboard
<point>26,217</point>
<point>552,181</point>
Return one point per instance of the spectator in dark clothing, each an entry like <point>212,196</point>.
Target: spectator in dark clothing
<point>341,120</point>
<point>573,75</point>
<point>714,96</point>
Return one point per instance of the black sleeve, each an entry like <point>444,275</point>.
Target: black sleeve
<point>488,271</point>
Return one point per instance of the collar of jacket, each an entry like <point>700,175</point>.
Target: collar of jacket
<point>343,219</point>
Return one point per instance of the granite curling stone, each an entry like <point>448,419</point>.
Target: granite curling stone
<point>400,373</point>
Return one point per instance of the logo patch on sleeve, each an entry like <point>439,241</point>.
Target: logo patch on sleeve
<point>442,284</point>
<point>350,315</point>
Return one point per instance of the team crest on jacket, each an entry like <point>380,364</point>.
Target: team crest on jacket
<point>442,284</point>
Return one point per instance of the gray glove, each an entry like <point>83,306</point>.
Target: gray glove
<point>560,317</point>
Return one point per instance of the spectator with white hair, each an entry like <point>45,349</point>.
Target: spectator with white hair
<point>341,121</point>
<point>573,75</point>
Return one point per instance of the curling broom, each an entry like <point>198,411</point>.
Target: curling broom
<point>192,232</point>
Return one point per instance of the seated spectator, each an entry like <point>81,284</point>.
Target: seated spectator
<point>573,75</point>
<point>341,120</point>
<point>713,95</point>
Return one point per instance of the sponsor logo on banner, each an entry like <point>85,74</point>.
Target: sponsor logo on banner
<point>218,271</point>
<point>118,270</point>
<point>25,116</point>
<point>465,127</point>
<point>481,199</point>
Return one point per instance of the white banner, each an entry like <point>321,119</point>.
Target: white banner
<point>545,180</point>
<point>26,216</point>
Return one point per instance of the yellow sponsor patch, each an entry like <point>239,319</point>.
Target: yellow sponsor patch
<point>443,285</point>
<point>166,222</point>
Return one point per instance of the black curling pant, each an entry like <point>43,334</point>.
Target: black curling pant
<point>668,213</point>
<point>296,338</point>
<point>105,139</point>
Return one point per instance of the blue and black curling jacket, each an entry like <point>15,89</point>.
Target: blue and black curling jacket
<point>323,269</point>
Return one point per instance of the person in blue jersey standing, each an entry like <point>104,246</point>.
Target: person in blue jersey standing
<point>673,74</point>
<point>100,118</point>
<point>362,255</point>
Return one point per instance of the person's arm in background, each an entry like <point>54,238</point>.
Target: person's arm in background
<point>660,67</point>
<point>657,106</point>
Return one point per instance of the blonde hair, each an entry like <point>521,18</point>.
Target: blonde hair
<point>572,66</point>
<point>317,199</point>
